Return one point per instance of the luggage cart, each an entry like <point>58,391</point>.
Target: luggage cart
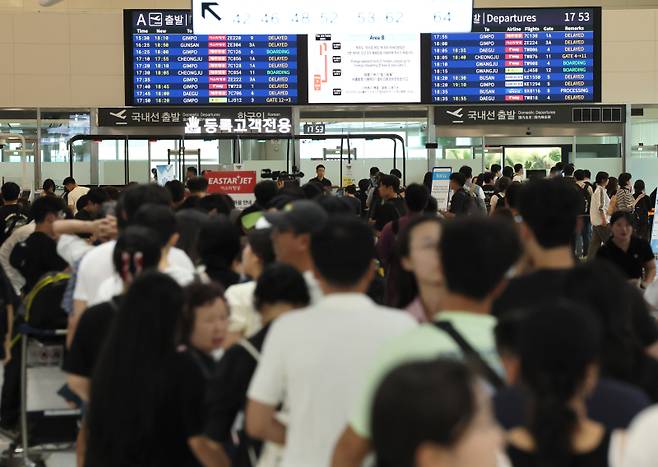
<point>47,423</point>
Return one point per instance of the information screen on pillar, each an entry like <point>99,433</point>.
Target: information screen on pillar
<point>520,55</point>
<point>167,64</point>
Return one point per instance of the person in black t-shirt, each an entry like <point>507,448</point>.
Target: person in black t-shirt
<point>393,206</point>
<point>280,288</point>
<point>319,178</point>
<point>145,394</point>
<point>89,206</point>
<point>461,201</point>
<point>631,254</point>
<point>643,206</point>
<point>613,403</point>
<point>136,250</point>
<point>10,211</point>
<point>489,188</point>
<point>38,254</point>
<point>549,208</point>
<point>352,198</point>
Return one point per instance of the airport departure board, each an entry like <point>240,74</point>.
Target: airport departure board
<point>167,64</point>
<point>520,55</point>
<point>512,55</point>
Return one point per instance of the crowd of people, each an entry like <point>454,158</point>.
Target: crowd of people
<point>513,327</point>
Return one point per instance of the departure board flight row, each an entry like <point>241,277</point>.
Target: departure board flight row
<point>549,55</point>
<point>512,55</point>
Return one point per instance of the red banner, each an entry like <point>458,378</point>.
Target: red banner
<point>236,182</point>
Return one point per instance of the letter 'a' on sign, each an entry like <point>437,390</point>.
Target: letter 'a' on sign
<point>311,17</point>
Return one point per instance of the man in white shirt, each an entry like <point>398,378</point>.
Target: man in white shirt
<point>466,311</point>
<point>314,360</point>
<point>598,213</point>
<point>519,173</point>
<point>291,236</point>
<point>97,266</point>
<point>73,193</point>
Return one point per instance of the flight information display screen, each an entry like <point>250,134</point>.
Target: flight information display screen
<point>167,64</point>
<point>520,55</point>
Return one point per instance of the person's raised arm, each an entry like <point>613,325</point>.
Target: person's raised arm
<point>103,229</point>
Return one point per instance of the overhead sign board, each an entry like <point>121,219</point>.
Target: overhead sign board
<point>304,17</point>
<point>452,115</point>
<point>201,120</point>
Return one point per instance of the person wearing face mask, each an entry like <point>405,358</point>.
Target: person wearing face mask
<point>631,254</point>
<point>434,414</point>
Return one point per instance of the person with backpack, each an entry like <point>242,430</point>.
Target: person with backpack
<point>584,237</point>
<point>12,215</point>
<point>393,206</point>
<point>475,190</point>
<point>622,200</point>
<point>489,188</point>
<point>461,202</point>
<point>37,255</point>
<point>462,328</point>
<point>279,289</point>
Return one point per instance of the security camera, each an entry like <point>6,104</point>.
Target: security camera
<point>528,132</point>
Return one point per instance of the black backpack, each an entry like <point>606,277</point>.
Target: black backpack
<point>587,198</point>
<point>12,222</point>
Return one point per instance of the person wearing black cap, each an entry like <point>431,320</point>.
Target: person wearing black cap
<point>291,236</point>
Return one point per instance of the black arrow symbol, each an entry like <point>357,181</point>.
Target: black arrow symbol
<point>206,6</point>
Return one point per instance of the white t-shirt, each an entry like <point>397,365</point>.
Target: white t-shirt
<point>599,204</point>
<point>244,317</point>
<point>74,195</point>
<point>113,285</point>
<point>518,178</point>
<point>316,359</point>
<point>97,266</point>
<point>313,285</point>
<point>641,449</point>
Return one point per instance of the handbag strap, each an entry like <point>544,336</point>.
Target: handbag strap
<point>249,347</point>
<point>472,356</point>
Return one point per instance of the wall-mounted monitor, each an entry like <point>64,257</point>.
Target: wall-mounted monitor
<point>524,55</point>
<point>165,64</point>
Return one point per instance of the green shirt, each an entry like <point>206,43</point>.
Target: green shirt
<point>425,342</point>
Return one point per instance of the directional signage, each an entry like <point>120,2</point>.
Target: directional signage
<point>304,17</point>
<point>201,120</point>
<point>526,114</point>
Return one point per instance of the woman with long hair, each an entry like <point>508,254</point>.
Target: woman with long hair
<point>418,286</point>
<point>560,345</point>
<point>144,393</point>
